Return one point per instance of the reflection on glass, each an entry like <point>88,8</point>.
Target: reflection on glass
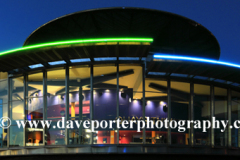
<point>16,136</point>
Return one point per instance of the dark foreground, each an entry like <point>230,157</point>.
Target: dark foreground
<point>119,157</point>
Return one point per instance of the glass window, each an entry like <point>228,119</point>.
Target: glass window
<point>201,112</point>
<point>34,136</point>
<point>105,102</point>
<point>220,98</point>
<point>3,132</point>
<point>130,102</point>
<point>35,108</point>
<point>17,89</point>
<point>16,134</point>
<point>235,116</point>
<point>55,135</point>
<point>156,109</point>
<point>35,96</point>
<point>3,108</point>
<point>3,91</point>
<point>55,105</point>
<point>79,99</point>
<point>56,93</point>
<point>180,97</point>
<point>16,111</point>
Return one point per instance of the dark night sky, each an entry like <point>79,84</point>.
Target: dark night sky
<point>222,17</point>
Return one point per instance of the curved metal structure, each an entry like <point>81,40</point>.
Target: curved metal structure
<point>172,33</point>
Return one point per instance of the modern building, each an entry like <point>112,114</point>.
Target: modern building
<point>128,63</point>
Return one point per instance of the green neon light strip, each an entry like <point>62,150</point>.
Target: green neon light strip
<point>77,41</point>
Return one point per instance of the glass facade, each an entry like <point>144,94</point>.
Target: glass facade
<point>156,109</point>
<point>16,104</point>
<point>105,102</point>
<point>3,109</point>
<point>130,102</point>
<point>107,92</point>
<point>202,101</point>
<point>235,115</point>
<point>220,99</point>
<point>79,103</point>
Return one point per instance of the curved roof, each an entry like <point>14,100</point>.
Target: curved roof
<point>68,50</point>
<point>172,34</point>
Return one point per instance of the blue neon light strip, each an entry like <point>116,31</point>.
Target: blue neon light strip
<point>80,60</point>
<point>35,66</point>
<point>57,63</point>
<point>129,58</point>
<point>106,59</point>
<point>170,57</point>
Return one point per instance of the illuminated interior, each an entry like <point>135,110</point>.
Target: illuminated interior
<point>105,102</point>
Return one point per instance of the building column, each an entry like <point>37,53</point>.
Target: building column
<point>80,112</point>
<point>229,116</point>
<point>9,108</point>
<point>212,110</point>
<point>44,104</point>
<point>91,100</point>
<point>25,99</point>
<point>191,114</point>
<point>143,102</point>
<point>66,104</point>
<point>169,110</point>
<point>117,100</point>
